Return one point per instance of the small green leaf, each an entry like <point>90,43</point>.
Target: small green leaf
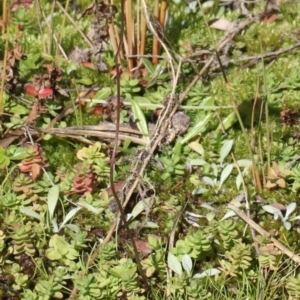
<point>140,119</point>
<point>225,174</point>
<point>225,150</point>
<point>148,64</point>
<point>89,207</point>
<point>133,82</point>
<point>72,66</point>
<point>31,213</point>
<point>103,93</point>
<point>228,122</point>
<point>209,272</point>
<point>174,264</point>
<point>151,225</point>
<point>85,81</point>
<point>69,216</point>
<point>197,129</point>
<point>18,109</point>
<point>197,162</point>
<point>187,263</point>
<point>16,153</point>
<point>197,147</point>
<point>52,199</point>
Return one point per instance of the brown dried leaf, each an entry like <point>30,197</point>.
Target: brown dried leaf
<point>279,206</point>
<point>5,142</point>
<point>221,24</point>
<point>143,247</point>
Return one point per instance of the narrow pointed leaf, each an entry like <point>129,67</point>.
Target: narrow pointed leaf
<point>197,129</point>
<point>225,150</point>
<point>69,216</point>
<point>174,264</point>
<point>140,119</point>
<point>210,272</point>
<point>53,195</point>
<point>225,174</point>
<point>290,208</point>
<point>31,213</point>
<point>187,263</point>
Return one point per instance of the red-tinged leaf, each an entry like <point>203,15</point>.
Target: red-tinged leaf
<point>35,170</point>
<point>118,187</point>
<point>270,19</point>
<point>98,110</point>
<point>144,82</point>
<point>89,65</point>
<point>24,168</point>
<point>45,93</point>
<point>30,90</point>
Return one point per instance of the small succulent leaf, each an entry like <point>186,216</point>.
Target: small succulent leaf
<point>52,199</point>
<point>198,128</point>
<point>225,150</point>
<point>52,254</point>
<point>73,227</point>
<point>290,208</point>
<point>69,216</point>
<point>197,162</point>
<point>209,272</point>
<point>228,215</point>
<point>174,264</point>
<point>140,119</point>
<point>187,263</point>
<point>225,174</point>
<point>31,213</point>
<point>133,82</point>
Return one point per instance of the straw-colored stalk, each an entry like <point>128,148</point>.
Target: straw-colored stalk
<point>143,34</point>
<point>5,30</point>
<point>163,14</point>
<point>130,34</point>
<point>155,45</point>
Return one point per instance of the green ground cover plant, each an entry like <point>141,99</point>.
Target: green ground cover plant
<point>146,155</point>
